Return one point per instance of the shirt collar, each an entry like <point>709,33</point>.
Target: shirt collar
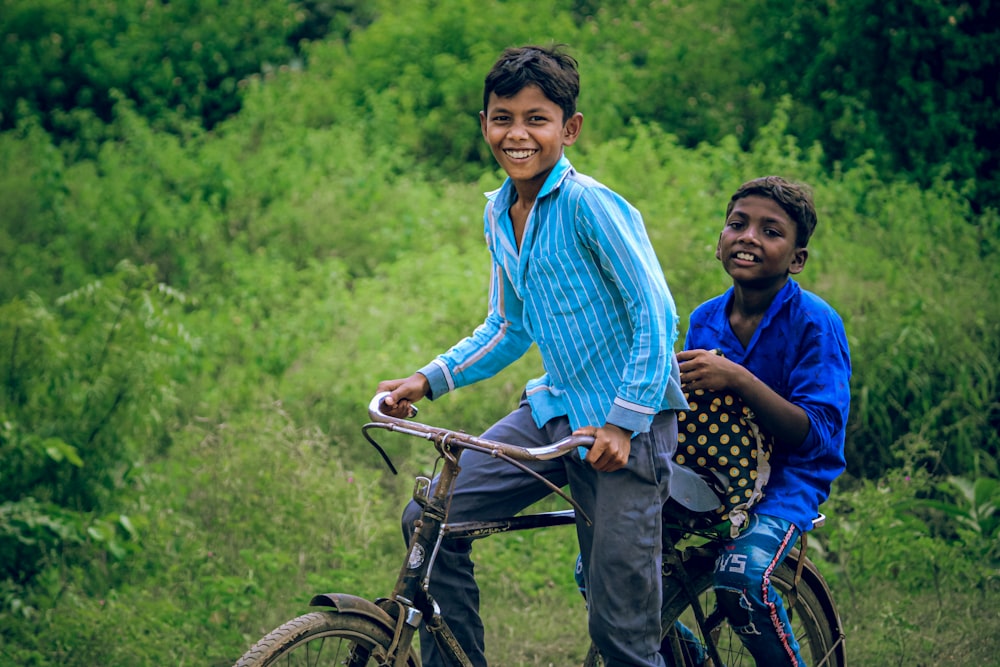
<point>787,292</point>
<point>504,195</point>
<point>784,295</point>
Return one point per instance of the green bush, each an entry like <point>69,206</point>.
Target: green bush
<point>175,61</point>
<point>89,393</point>
<point>903,563</point>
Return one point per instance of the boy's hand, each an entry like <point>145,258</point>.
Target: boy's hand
<point>403,393</point>
<point>612,445</point>
<point>708,370</point>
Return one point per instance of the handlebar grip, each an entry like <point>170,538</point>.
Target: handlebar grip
<point>375,408</point>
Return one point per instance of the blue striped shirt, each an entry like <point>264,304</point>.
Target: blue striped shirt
<point>587,288</point>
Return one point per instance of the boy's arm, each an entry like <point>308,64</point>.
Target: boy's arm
<point>615,232</point>
<point>495,344</point>
<point>820,383</point>
<point>818,387</point>
<point>707,370</point>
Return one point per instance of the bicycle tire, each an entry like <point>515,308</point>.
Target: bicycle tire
<point>814,620</point>
<point>323,638</point>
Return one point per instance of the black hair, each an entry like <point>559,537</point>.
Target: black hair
<point>795,199</point>
<point>552,70</point>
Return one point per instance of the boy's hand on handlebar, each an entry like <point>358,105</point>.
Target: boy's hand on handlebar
<point>403,393</point>
<point>612,445</point>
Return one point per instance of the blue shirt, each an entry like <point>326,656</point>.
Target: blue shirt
<point>587,288</point>
<point>800,351</point>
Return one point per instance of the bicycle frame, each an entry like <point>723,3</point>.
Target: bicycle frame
<point>410,602</point>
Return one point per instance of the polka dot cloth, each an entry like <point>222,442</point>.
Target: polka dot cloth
<point>717,434</point>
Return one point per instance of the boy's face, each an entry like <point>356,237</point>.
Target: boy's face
<point>757,247</point>
<point>526,133</point>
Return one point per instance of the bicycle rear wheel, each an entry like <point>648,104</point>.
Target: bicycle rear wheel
<point>323,638</point>
<point>814,620</point>
<point>813,617</point>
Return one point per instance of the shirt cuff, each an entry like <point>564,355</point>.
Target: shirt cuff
<point>637,422</point>
<point>436,378</point>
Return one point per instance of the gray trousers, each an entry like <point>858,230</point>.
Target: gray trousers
<point>621,551</point>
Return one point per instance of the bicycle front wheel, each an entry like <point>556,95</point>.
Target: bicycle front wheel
<point>323,638</point>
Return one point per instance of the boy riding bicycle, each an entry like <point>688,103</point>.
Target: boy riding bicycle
<point>573,272</point>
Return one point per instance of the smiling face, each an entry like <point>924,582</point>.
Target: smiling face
<point>758,246</point>
<point>527,135</point>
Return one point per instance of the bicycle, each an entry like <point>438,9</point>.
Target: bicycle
<point>350,630</point>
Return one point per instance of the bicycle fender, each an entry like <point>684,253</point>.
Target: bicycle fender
<point>811,575</point>
<point>352,604</point>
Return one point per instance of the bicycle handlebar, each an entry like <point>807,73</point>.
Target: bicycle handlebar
<point>442,435</point>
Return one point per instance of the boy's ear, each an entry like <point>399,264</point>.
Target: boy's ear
<point>718,248</point>
<point>482,123</point>
<point>799,260</point>
<point>571,129</point>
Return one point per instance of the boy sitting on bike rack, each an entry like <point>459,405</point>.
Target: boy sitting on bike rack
<point>784,352</point>
<point>573,272</point>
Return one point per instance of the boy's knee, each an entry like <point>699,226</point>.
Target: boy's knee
<point>735,605</point>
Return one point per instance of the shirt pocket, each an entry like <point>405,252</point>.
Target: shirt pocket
<point>568,283</point>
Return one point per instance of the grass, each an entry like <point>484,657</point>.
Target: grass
<point>533,613</point>
<point>889,626</point>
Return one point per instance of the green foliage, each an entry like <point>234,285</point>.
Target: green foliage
<point>34,191</point>
<point>905,563</point>
<point>75,221</point>
<point>908,389</point>
<point>423,87</point>
<point>704,70</point>
<point>913,82</point>
<point>681,65</point>
<point>30,537</point>
<point>243,507</point>
<point>972,506</point>
<point>174,60</point>
<point>84,384</point>
<point>884,528</point>
<point>88,393</point>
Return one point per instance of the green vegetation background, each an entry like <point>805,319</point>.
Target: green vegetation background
<point>223,223</point>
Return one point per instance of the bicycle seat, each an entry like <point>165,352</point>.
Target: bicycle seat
<point>690,490</point>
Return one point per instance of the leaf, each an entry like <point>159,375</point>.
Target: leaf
<point>126,523</point>
<point>986,492</point>
<point>116,550</point>
<point>59,451</point>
